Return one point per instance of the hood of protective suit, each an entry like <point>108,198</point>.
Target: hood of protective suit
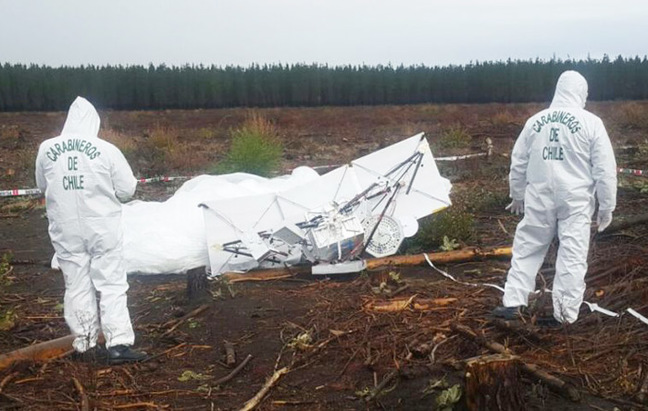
<point>82,119</point>
<point>571,90</point>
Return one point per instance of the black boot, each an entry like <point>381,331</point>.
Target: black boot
<point>507,313</point>
<point>120,354</point>
<point>95,354</point>
<point>549,322</point>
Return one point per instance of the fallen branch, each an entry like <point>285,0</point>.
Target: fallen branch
<point>400,304</point>
<point>374,393</point>
<point>135,405</point>
<point>557,384</point>
<point>467,254</point>
<point>177,323</point>
<point>293,402</point>
<point>165,352</point>
<point>642,395</point>
<point>234,372</point>
<point>30,379</point>
<point>265,275</point>
<point>399,290</point>
<point>516,328</point>
<point>133,393</point>
<point>85,404</point>
<point>38,352</point>
<point>254,401</point>
<point>7,379</point>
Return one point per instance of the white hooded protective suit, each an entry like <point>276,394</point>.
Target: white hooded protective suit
<point>561,160</point>
<point>82,177</point>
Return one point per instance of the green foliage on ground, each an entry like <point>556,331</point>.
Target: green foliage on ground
<point>455,137</point>
<point>443,229</point>
<point>486,200</point>
<point>255,149</point>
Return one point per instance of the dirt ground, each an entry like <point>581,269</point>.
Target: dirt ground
<point>339,346</point>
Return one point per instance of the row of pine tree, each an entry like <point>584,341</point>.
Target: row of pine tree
<point>43,88</point>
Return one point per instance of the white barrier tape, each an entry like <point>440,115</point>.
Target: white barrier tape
<point>20,192</point>
<point>455,158</point>
<point>596,307</point>
<point>497,287</point>
<point>592,306</point>
<point>631,171</point>
<point>637,315</point>
<point>450,158</point>
<point>163,179</point>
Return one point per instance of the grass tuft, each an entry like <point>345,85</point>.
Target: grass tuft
<point>634,115</point>
<point>455,136</point>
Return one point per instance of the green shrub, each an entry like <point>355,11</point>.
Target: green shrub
<point>255,149</point>
<point>455,137</point>
<point>452,223</point>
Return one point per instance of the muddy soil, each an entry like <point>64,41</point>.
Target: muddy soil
<point>336,346</point>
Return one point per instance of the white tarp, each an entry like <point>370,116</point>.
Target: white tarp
<point>169,237</point>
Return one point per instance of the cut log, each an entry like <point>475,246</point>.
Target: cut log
<point>467,254</point>
<point>197,285</point>
<point>492,383</point>
<point>41,352</point>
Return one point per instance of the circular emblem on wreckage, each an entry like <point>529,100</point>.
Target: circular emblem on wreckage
<point>387,238</point>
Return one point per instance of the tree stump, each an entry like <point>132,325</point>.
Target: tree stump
<point>197,285</point>
<point>492,383</point>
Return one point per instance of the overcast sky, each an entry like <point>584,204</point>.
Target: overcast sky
<point>335,32</point>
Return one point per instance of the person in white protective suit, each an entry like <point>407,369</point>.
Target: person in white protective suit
<point>83,178</point>
<point>561,163</point>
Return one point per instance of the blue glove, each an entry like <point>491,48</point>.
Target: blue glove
<point>516,207</point>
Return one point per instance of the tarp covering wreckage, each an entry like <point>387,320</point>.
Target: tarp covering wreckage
<point>238,222</point>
